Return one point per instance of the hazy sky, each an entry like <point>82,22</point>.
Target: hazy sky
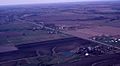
<point>9,2</point>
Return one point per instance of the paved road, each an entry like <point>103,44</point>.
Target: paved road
<point>92,61</point>
<point>76,35</point>
<point>84,37</point>
<point>81,35</point>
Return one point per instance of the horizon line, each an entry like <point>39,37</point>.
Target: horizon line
<point>54,3</point>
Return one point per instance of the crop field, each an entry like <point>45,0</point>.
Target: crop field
<point>21,33</point>
<point>95,31</point>
<point>65,34</point>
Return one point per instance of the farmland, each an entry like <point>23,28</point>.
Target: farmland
<point>20,33</point>
<point>61,34</point>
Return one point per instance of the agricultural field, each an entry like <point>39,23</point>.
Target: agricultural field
<point>95,31</point>
<point>21,33</point>
<point>65,34</point>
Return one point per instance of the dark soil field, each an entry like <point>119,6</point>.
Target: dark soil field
<point>55,34</point>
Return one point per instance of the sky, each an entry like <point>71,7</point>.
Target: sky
<point>13,2</point>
